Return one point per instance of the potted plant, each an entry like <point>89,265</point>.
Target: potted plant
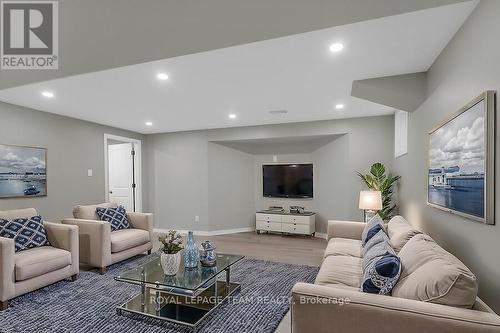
<point>377,180</point>
<point>170,252</point>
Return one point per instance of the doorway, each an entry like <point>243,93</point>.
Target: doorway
<point>123,172</point>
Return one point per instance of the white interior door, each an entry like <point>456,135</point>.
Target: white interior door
<point>120,166</point>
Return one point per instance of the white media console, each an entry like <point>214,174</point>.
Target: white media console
<point>303,224</point>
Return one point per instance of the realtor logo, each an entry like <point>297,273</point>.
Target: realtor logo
<point>29,31</point>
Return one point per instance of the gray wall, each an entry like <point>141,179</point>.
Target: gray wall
<point>73,146</point>
<point>230,188</point>
<point>469,65</point>
<point>177,170</point>
<point>186,172</point>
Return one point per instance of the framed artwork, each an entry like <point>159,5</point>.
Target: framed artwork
<point>23,171</point>
<point>462,161</point>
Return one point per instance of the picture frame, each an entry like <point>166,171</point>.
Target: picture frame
<point>461,161</point>
<point>23,171</point>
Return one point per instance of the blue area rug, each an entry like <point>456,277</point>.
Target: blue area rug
<point>88,304</point>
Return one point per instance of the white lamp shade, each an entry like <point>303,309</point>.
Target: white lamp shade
<point>370,200</point>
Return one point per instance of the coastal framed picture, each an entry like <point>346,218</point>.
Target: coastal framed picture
<point>462,161</point>
<point>23,171</point>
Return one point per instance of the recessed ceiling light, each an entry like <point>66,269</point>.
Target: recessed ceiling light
<point>47,94</point>
<point>339,106</point>
<point>232,116</point>
<point>336,47</point>
<point>149,123</point>
<point>162,76</point>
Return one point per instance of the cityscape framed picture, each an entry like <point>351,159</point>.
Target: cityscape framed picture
<point>461,168</point>
<point>22,171</point>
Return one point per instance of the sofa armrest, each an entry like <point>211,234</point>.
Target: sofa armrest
<point>7,250</point>
<point>345,229</point>
<point>320,308</point>
<point>142,221</point>
<point>65,237</point>
<point>95,241</point>
<point>62,236</point>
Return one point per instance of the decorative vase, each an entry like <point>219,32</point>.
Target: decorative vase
<point>170,263</point>
<point>191,254</point>
<point>208,257</point>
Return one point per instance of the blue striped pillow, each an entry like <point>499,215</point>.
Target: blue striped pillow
<point>373,226</point>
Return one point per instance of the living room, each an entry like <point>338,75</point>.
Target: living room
<point>243,132</point>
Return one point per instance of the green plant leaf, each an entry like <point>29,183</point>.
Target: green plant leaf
<point>379,181</point>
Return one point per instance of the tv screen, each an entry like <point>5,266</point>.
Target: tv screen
<point>288,180</point>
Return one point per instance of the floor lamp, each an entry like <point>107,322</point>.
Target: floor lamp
<point>370,202</point>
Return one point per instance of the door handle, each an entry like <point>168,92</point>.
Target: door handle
<point>110,192</point>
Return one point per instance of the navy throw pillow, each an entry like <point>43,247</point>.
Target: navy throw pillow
<point>377,246</point>
<point>27,233</point>
<point>117,217</point>
<point>373,226</point>
<point>382,274</point>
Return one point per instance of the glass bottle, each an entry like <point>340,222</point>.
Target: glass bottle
<point>191,254</point>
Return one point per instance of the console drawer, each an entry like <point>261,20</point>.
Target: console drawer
<point>268,217</point>
<point>296,219</point>
<point>268,226</point>
<point>296,228</point>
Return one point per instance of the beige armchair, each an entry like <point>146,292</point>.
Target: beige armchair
<point>99,247</point>
<point>28,270</point>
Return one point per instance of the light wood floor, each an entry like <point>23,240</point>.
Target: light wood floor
<point>298,250</point>
<point>288,249</point>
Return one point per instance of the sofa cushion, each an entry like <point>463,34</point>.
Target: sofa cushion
<point>27,233</point>
<point>341,270</point>
<point>400,232</point>
<point>39,261</point>
<point>344,247</point>
<point>128,238</point>
<point>117,217</point>
<point>373,226</point>
<point>89,212</point>
<point>431,274</point>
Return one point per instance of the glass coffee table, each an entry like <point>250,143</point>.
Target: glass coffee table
<point>185,298</point>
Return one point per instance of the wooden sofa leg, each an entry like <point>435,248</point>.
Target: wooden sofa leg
<point>74,277</point>
<point>149,252</point>
<point>103,270</point>
<point>4,305</point>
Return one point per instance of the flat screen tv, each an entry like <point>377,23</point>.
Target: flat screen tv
<point>288,180</point>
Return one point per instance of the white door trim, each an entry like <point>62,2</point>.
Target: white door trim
<point>138,167</point>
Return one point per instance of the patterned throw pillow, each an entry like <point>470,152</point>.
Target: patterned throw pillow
<point>377,246</point>
<point>373,226</point>
<point>382,274</point>
<point>26,232</point>
<point>117,217</point>
<point>381,265</point>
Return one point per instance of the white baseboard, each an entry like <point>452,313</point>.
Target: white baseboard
<point>209,233</point>
<point>321,235</point>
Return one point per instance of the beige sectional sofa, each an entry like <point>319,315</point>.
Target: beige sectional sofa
<point>99,247</point>
<point>435,292</point>
<point>28,270</point>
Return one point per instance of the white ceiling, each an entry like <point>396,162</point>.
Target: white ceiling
<point>282,145</point>
<point>295,73</point>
